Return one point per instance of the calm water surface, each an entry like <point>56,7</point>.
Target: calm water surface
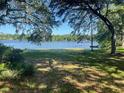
<point>47,45</point>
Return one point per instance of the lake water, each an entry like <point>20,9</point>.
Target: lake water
<point>47,45</point>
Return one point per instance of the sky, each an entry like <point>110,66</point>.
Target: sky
<point>61,30</point>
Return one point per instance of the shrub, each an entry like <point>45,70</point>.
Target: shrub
<point>15,70</point>
<point>2,66</point>
<point>9,74</point>
<point>8,54</point>
<point>13,64</point>
<point>6,73</point>
<point>13,55</point>
<point>3,49</point>
<point>25,69</point>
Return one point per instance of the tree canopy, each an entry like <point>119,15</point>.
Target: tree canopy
<point>32,16</point>
<point>116,15</point>
<point>79,13</point>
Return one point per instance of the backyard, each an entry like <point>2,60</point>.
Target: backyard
<point>70,71</point>
<point>61,46</point>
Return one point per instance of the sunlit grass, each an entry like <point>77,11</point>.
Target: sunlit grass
<point>120,49</point>
<point>71,71</point>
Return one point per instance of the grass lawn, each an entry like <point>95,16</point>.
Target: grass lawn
<point>70,71</point>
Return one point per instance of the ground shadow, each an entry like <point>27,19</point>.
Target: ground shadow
<point>68,71</point>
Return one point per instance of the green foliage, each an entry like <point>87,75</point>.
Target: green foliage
<point>70,37</point>
<point>105,45</point>
<point>14,56</point>
<point>68,88</point>
<point>12,64</point>
<point>64,38</point>
<point>9,74</point>
<point>116,15</point>
<point>25,69</point>
<point>3,51</point>
<point>9,54</point>
<point>81,14</point>
<point>37,38</point>
<point>8,36</point>
<point>40,35</point>
<point>6,73</point>
<point>2,67</point>
<point>29,16</point>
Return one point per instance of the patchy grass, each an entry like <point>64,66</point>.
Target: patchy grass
<point>70,71</point>
<point>120,49</point>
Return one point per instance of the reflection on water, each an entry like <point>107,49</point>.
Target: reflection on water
<point>47,45</point>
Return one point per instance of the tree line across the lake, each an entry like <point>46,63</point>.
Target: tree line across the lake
<point>53,38</point>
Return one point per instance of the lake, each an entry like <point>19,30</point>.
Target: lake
<point>47,45</point>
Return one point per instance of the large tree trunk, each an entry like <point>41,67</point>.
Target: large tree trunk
<point>113,35</point>
<point>110,28</point>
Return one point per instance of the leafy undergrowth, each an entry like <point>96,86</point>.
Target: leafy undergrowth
<point>70,71</point>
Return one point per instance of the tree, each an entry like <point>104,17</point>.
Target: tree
<point>116,15</point>
<point>77,13</point>
<point>28,16</point>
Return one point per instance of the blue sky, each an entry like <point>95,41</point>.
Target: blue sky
<point>7,29</point>
<point>62,29</point>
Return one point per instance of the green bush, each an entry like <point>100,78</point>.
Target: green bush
<point>9,74</point>
<point>8,54</point>
<point>6,73</point>
<point>15,70</point>
<point>12,63</point>
<point>25,69</point>
<point>106,45</point>
<point>2,66</point>
<point>13,55</point>
<point>3,49</point>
